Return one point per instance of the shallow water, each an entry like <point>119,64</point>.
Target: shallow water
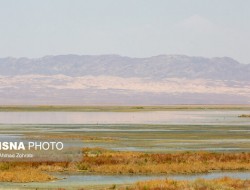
<point>155,117</point>
<point>160,131</point>
<point>77,181</point>
<point>143,137</point>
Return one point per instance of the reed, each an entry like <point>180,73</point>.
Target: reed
<point>102,161</point>
<point>20,174</point>
<point>199,184</point>
<point>245,115</point>
<point>113,162</point>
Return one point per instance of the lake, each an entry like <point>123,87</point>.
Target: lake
<point>153,131</point>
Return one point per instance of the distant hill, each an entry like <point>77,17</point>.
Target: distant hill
<point>158,67</point>
<point>114,79</point>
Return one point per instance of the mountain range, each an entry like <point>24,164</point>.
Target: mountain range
<point>114,79</point>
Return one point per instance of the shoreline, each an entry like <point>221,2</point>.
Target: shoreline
<point>117,108</point>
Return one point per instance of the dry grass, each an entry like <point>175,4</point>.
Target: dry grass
<point>111,162</point>
<point>20,174</point>
<point>103,161</point>
<point>29,171</point>
<point>41,166</point>
<point>244,115</point>
<point>199,184</point>
<point>65,108</point>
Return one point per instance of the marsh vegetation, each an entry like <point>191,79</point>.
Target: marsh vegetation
<point>199,184</point>
<point>245,115</point>
<point>133,141</point>
<point>102,161</point>
<point>65,108</point>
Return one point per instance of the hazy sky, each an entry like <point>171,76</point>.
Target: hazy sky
<point>138,28</point>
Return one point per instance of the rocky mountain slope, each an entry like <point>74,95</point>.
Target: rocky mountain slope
<point>113,79</point>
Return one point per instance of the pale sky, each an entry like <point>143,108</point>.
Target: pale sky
<point>136,28</point>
